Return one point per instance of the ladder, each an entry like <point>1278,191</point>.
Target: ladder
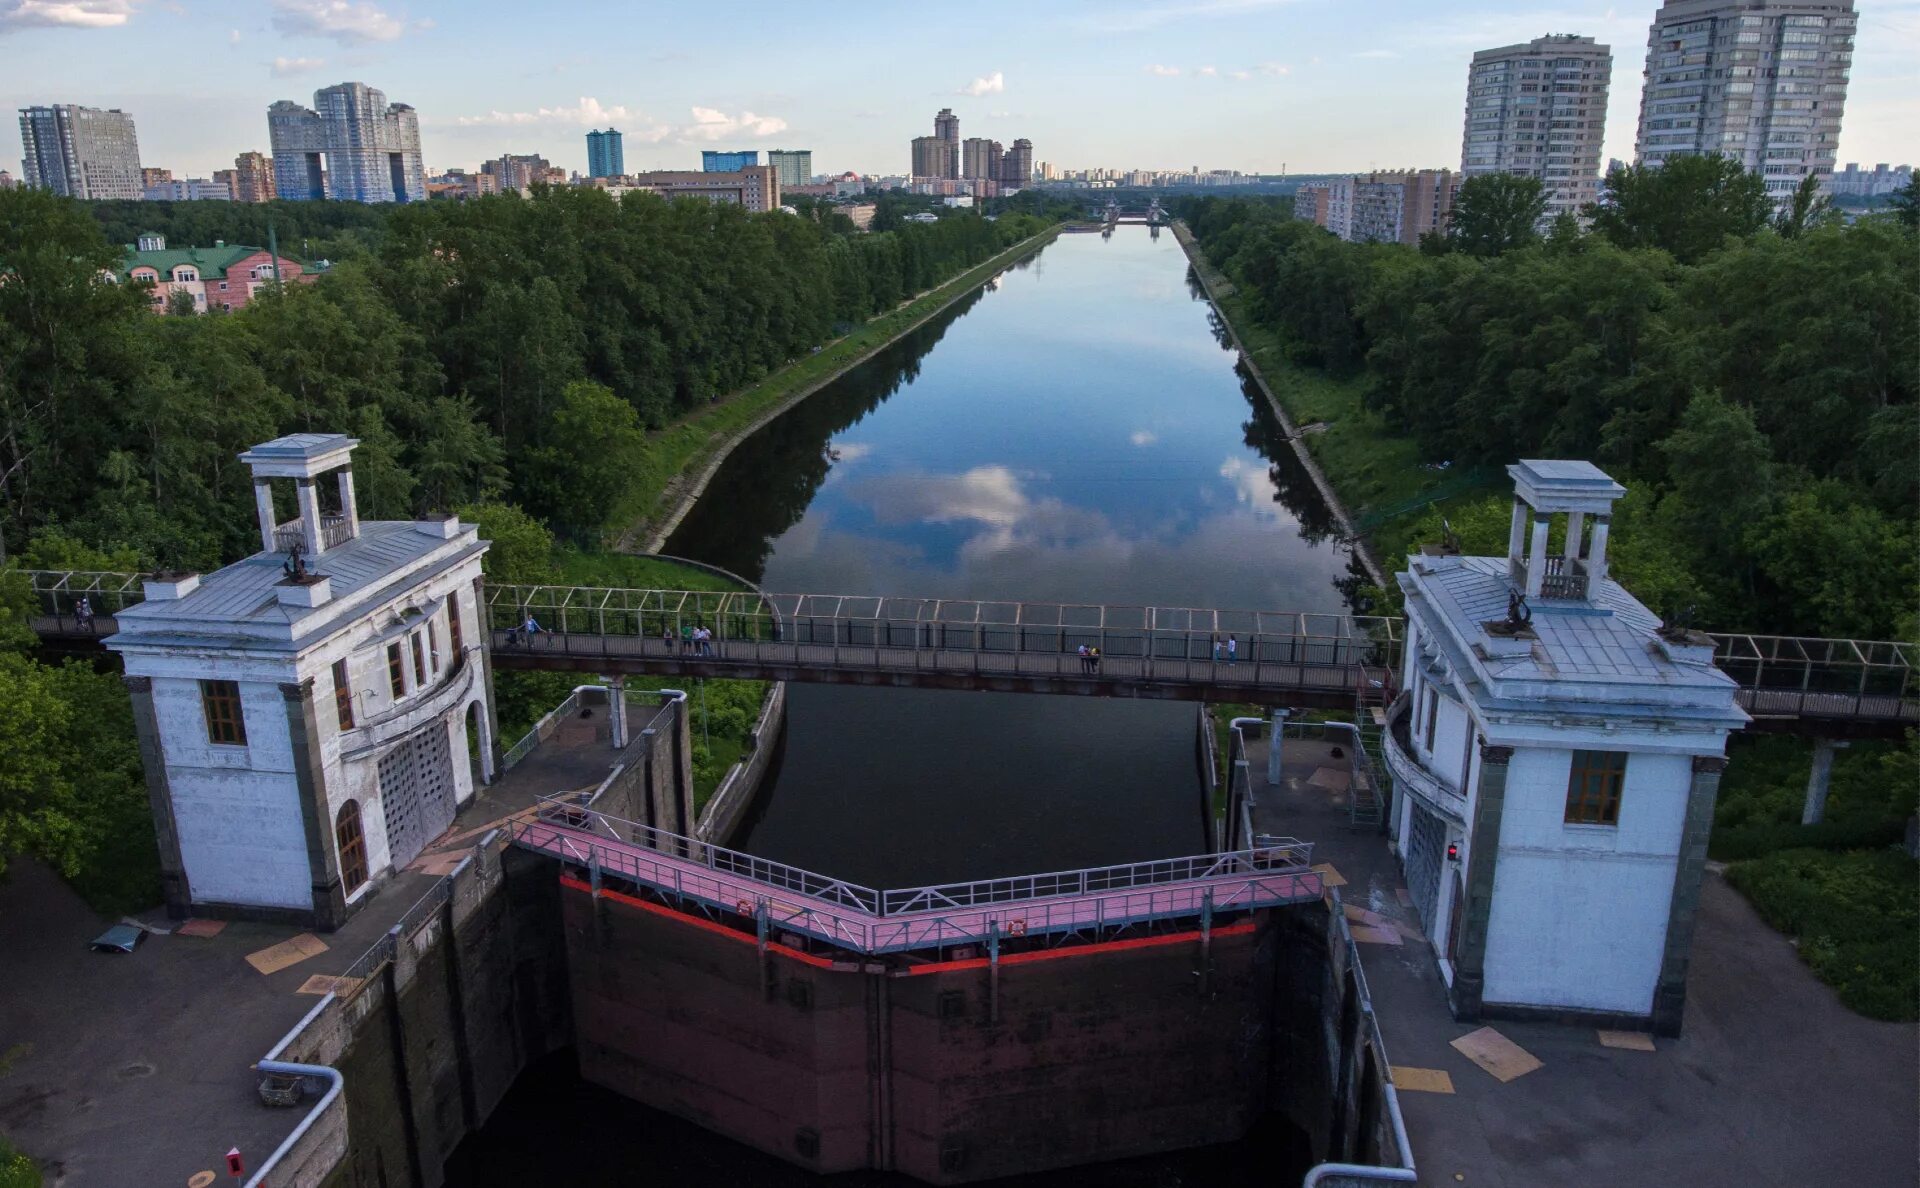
<point>1366,800</point>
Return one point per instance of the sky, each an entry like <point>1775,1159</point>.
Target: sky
<point>1260,86</point>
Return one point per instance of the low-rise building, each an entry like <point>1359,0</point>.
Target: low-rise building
<point>755,187</point>
<point>223,277</point>
<point>1555,753</point>
<point>189,189</point>
<point>311,716</point>
<point>1395,207</point>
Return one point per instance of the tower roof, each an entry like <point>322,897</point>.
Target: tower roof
<point>300,455</point>
<point>1564,485</point>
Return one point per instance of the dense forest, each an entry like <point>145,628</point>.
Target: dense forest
<point>471,347</point>
<point>1752,377</point>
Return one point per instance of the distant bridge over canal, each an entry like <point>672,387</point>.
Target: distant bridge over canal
<point>1832,688</point>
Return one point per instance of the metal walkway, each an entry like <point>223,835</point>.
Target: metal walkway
<point>1052,907</point>
<point>1831,687</point>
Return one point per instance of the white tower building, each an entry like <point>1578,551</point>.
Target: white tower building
<point>306,715</point>
<point>1555,755</point>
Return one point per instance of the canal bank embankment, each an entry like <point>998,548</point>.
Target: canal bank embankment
<point>687,454</point>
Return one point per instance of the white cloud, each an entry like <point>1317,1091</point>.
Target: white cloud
<point>1163,71</point>
<point>1207,72</point>
<point>73,14</point>
<point>587,112</point>
<point>1143,437</point>
<point>711,124</point>
<point>992,84</point>
<point>288,67</point>
<point>345,21</point>
<point>1273,68</point>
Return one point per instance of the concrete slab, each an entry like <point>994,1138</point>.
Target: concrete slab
<point>1627,1041</point>
<point>287,953</point>
<point>1422,1080</point>
<point>201,928</point>
<point>1503,1059</point>
<point>1368,935</point>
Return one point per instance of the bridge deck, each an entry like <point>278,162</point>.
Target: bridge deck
<point>1831,687</point>
<point>864,920</point>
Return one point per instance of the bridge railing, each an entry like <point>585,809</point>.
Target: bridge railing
<point>913,909</point>
<point>1784,674</point>
<point>954,625</point>
<point>56,590</point>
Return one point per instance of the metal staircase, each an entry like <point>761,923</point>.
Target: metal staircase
<point>1366,796</point>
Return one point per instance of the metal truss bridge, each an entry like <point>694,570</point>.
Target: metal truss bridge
<point>1047,909</point>
<point>1827,687</point>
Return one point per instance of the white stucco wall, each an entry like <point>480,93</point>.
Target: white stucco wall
<point>236,808</point>
<point>1580,911</point>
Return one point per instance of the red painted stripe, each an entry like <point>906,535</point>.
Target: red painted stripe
<point>696,921</point>
<point>1141,942</point>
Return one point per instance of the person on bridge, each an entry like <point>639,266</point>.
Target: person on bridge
<point>1086,659</point>
<point>1216,649</point>
<point>686,639</point>
<point>1233,648</point>
<point>1093,660</point>
<point>530,628</point>
<point>83,614</point>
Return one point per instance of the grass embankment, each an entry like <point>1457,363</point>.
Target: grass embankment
<point>635,572</point>
<point>1838,888</point>
<point>678,455</point>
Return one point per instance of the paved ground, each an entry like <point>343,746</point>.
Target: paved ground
<point>1772,1083</point>
<point>120,1070</point>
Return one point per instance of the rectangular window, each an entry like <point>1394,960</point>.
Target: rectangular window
<point>433,646</point>
<point>342,695</point>
<point>396,672</point>
<point>1433,717</point>
<point>1593,787</point>
<point>453,624</point>
<point>419,661</point>
<point>221,701</point>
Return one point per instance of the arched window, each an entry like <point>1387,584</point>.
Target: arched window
<point>353,846</point>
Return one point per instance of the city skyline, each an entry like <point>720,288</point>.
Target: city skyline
<point>1166,85</point>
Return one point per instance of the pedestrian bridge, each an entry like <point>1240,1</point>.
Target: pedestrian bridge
<point>1049,909</point>
<point>1828,687</point>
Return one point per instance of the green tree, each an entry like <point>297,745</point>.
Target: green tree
<point>522,549</point>
<point>1835,566</point>
<point>574,477</point>
<point>1688,206</point>
<point>1808,207</point>
<point>1905,203</point>
<point>1497,212</point>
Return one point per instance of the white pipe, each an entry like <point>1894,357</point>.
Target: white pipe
<point>270,1063</point>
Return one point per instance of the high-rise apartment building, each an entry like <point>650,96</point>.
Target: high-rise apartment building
<point>606,154</point>
<point>252,178</point>
<point>521,172</point>
<point>1016,166</point>
<point>153,175</point>
<point>81,152</point>
<point>724,162</point>
<point>1540,109</point>
<point>1762,81</point>
<point>933,157</point>
<point>791,167</point>
<point>1881,180</point>
<point>946,126</point>
<point>979,157</point>
<point>351,144</point>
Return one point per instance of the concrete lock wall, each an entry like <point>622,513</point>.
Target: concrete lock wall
<point>737,791</point>
<point>430,1040</point>
<point>1078,1055</point>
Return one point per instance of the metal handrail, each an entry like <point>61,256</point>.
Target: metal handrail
<point>1274,856</point>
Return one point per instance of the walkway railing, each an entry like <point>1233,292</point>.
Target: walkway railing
<point>1780,677</point>
<point>867,920</point>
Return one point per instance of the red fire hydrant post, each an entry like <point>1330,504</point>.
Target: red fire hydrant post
<point>234,1167</point>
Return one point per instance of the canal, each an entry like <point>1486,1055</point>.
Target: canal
<point>1076,431</point>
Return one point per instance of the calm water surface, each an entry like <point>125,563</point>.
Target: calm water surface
<point>1077,431</point>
